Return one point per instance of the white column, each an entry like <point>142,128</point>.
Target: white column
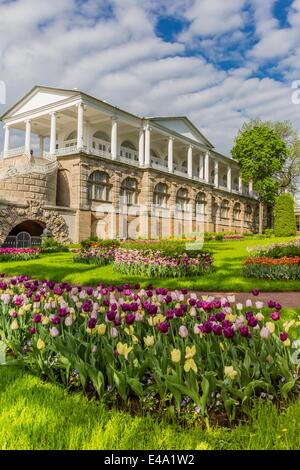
<point>27,137</point>
<point>229,178</point>
<point>216,178</point>
<point>206,165</point>
<point>201,167</point>
<point>141,147</point>
<point>80,126</point>
<point>6,140</point>
<point>53,134</point>
<point>240,184</point>
<point>190,161</point>
<point>41,146</point>
<point>170,154</point>
<point>251,188</point>
<point>114,138</point>
<point>147,145</point>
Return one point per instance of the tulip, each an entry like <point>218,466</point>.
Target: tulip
<point>40,344</point>
<point>265,332</point>
<point>244,331</point>
<point>183,331</point>
<point>101,329</point>
<point>149,341</point>
<point>14,325</point>
<point>275,316</point>
<point>163,327</point>
<point>283,336</point>
<point>54,331</point>
<point>270,325</point>
<point>255,292</point>
<point>114,332</point>
<point>175,355</point>
<point>68,321</point>
<point>230,372</point>
<point>190,364</point>
<point>32,331</point>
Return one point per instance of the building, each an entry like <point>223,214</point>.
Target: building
<point>90,168</point>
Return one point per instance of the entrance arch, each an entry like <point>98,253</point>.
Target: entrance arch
<point>25,234</point>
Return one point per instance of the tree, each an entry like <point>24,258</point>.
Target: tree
<point>285,220</point>
<point>289,175</point>
<point>261,154</point>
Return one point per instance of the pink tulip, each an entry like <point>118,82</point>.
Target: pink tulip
<point>54,331</point>
<point>183,331</point>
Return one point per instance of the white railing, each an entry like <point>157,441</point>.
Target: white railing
<point>13,152</point>
<point>129,161</point>
<point>158,166</point>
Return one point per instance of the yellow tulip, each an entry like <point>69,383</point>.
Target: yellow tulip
<point>271,326</point>
<point>129,331</point>
<point>259,316</point>
<point>190,352</point>
<point>287,325</point>
<point>45,321</point>
<point>190,364</point>
<point>101,329</point>
<point>230,372</point>
<point>40,344</point>
<point>102,310</point>
<point>287,342</point>
<point>149,341</point>
<point>134,339</point>
<point>175,355</point>
<point>230,317</point>
<point>14,325</point>
<point>124,349</point>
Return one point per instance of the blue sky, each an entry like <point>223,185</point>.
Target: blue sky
<point>220,62</point>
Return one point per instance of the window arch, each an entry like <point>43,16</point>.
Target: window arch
<point>237,211</point>
<point>128,144</point>
<point>71,140</point>
<point>224,209</point>
<point>182,199</point>
<point>200,203</point>
<point>101,136</point>
<point>160,195</point>
<point>129,191</point>
<point>248,213</point>
<point>98,186</point>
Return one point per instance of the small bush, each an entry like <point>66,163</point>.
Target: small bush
<point>285,220</point>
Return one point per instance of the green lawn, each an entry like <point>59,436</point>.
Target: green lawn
<point>228,276</point>
<point>39,415</point>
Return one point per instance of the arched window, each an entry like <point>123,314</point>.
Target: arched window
<point>182,199</point>
<point>160,195</point>
<point>248,213</point>
<point>128,150</point>
<point>200,203</point>
<point>71,140</point>
<point>129,191</point>
<point>98,186</point>
<point>224,209</point>
<point>98,137</point>
<point>237,211</point>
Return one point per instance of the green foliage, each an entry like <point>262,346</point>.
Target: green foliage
<point>50,245</point>
<point>285,220</point>
<point>95,241</point>
<point>166,247</point>
<point>261,153</point>
<point>278,272</point>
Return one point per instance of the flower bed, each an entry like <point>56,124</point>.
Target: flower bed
<point>152,346</point>
<point>96,256</point>
<point>18,254</point>
<point>273,268</point>
<point>155,264</point>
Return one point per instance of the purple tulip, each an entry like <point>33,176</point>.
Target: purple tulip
<point>37,318</point>
<point>92,323</point>
<point>32,331</point>
<point>217,329</point>
<point>206,327</point>
<point>252,322</point>
<point>111,315</point>
<point>55,320</point>
<point>283,336</point>
<point>229,332</point>
<point>244,331</point>
<point>62,312</point>
<point>255,292</point>
<point>163,327</point>
<point>129,318</point>
<point>275,316</point>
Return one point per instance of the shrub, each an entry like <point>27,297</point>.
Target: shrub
<point>50,245</point>
<point>285,220</point>
<point>98,242</point>
<point>273,269</point>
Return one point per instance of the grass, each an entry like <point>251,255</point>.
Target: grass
<point>38,415</point>
<point>228,257</point>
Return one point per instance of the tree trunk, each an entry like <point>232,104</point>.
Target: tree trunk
<point>261,217</point>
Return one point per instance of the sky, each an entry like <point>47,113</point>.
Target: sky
<point>218,62</point>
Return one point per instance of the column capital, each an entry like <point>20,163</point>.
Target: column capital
<point>28,121</point>
<point>114,118</point>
